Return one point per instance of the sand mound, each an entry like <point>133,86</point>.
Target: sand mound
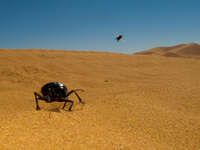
<point>132,101</point>
<point>183,50</point>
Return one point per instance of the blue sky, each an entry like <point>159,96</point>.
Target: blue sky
<point>92,24</point>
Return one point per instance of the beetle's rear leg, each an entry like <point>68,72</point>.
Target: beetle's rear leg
<point>70,101</point>
<point>37,96</point>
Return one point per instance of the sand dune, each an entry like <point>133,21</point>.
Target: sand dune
<point>191,50</point>
<point>133,102</point>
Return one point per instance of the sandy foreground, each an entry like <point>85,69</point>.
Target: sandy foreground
<point>133,102</point>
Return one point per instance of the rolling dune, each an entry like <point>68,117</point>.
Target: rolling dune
<point>191,50</point>
<point>133,102</point>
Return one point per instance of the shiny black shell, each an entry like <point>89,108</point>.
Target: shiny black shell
<point>54,90</point>
<point>119,37</point>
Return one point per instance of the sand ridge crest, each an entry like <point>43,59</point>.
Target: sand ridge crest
<point>191,50</point>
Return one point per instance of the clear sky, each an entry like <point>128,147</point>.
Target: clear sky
<point>93,24</point>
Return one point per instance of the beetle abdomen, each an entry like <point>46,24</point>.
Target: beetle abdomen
<point>54,90</point>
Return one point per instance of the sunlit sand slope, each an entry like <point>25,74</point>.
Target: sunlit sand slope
<point>133,102</point>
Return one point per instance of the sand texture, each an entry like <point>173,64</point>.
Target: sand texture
<point>133,102</point>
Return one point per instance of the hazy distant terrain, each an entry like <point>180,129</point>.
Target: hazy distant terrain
<point>133,102</point>
<point>183,50</point>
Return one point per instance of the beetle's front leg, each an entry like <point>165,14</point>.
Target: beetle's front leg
<point>74,91</point>
<point>79,98</point>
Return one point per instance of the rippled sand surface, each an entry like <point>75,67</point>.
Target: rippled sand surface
<point>133,102</point>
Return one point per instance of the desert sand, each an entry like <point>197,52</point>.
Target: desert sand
<point>133,102</point>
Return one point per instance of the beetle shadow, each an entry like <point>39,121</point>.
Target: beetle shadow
<point>74,109</point>
<point>54,110</point>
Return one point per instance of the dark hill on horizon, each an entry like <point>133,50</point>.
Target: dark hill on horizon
<point>191,50</point>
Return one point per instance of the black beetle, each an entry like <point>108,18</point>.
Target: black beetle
<point>56,92</point>
<point>119,37</point>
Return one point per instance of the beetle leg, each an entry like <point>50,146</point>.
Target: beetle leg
<point>64,105</point>
<point>69,93</point>
<point>79,98</point>
<point>37,96</point>
<point>70,107</point>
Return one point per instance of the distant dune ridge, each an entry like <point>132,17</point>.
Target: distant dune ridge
<point>182,50</point>
<point>133,102</point>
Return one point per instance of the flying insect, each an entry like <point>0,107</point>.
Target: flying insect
<point>119,37</point>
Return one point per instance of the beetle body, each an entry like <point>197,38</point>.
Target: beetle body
<point>119,37</point>
<point>56,92</point>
